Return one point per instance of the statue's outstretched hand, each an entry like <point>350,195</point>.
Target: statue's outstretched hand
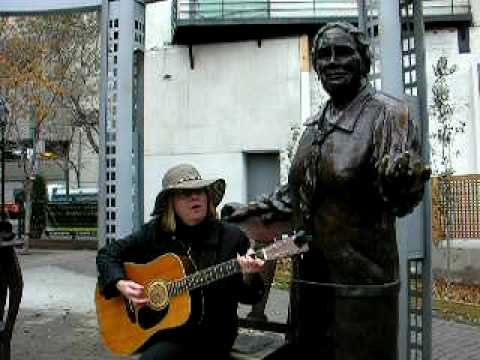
<point>402,180</point>
<point>269,208</point>
<point>265,218</point>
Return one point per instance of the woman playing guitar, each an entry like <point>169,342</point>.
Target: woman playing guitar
<point>184,226</point>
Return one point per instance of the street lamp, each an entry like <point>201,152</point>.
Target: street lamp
<point>5,226</point>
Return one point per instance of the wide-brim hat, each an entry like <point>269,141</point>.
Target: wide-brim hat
<point>185,176</point>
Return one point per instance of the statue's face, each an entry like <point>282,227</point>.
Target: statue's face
<point>338,62</point>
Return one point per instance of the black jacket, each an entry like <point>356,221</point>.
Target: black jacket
<point>209,243</point>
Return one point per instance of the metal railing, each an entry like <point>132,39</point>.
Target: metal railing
<point>237,9</point>
<point>456,207</point>
<point>207,10</point>
<point>446,7</point>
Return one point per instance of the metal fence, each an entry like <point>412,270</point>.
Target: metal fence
<point>198,10</point>
<point>456,207</point>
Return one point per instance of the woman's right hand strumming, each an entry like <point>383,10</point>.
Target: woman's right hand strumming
<point>133,292</point>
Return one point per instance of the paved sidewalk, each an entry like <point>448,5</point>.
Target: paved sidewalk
<point>454,341</point>
<point>57,317</point>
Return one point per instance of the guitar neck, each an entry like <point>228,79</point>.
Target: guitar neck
<point>204,277</point>
<point>279,249</point>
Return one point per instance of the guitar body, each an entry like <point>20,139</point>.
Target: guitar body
<point>119,328</point>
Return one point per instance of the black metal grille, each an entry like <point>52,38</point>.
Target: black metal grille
<point>408,48</point>
<point>415,309</point>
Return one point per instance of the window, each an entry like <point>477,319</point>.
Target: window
<point>463,40</point>
<point>263,173</point>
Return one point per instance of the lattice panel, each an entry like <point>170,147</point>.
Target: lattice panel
<point>456,207</point>
<point>415,309</point>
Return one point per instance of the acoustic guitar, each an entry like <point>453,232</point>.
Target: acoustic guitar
<point>125,328</point>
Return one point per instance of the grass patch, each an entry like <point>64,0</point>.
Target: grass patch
<point>446,309</point>
<point>283,274</point>
<point>458,312</point>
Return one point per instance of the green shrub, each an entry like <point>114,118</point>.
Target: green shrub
<point>39,207</point>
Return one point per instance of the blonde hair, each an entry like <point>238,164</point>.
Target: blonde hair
<point>168,221</point>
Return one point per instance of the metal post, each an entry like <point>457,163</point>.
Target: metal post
<point>362,15</point>
<point>390,43</point>
<point>427,199</point>
<point>392,83</point>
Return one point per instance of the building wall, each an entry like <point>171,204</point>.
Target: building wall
<point>464,91</point>
<point>87,160</point>
<point>475,6</point>
<point>239,97</point>
<point>10,186</point>
<point>232,99</point>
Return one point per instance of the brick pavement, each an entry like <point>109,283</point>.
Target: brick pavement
<point>57,316</point>
<point>454,341</point>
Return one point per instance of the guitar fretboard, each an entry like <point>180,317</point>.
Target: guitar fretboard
<point>279,249</point>
<point>204,277</point>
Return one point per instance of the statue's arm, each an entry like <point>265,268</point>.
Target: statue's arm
<point>401,170</point>
<point>263,219</point>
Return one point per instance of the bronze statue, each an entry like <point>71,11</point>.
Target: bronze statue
<point>357,167</point>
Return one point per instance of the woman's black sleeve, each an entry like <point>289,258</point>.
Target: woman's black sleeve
<point>111,257</point>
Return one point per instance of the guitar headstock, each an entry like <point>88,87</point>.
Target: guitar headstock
<point>287,246</point>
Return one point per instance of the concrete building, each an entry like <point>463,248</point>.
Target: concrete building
<point>462,47</point>
<point>227,115</point>
<point>226,101</point>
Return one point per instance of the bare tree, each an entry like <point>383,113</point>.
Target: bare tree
<point>49,72</point>
<point>446,128</point>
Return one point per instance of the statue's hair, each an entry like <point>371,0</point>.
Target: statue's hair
<point>358,36</point>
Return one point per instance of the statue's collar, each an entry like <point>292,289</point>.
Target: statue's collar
<point>348,118</point>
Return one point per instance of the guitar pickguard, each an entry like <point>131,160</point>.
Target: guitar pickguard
<point>144,317</point>
<point>148,318</point>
